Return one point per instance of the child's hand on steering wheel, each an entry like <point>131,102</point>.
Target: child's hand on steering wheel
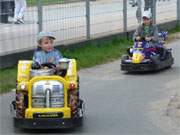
<point>139,44</point>
<point>148,38</point>
<point>138,38</point>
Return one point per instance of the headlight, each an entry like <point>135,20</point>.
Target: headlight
<point>23,86</point>
<point>72,86</point>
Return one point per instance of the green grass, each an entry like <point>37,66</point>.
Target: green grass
<point>177,29</point>
<point>45,2</point>
<point>7,79</point>
<point>87,56</point>
<point>94,54</point>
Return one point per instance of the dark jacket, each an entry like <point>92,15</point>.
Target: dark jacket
<point>153,31</point>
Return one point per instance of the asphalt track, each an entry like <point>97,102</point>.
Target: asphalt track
<point>117,102</point>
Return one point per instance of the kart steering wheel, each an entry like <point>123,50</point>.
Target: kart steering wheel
<point>49,65</point>
<point>143,39</point>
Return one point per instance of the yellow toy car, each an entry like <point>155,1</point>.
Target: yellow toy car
<point>46,99</point>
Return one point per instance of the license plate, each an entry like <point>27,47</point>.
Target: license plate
<point>48,115</point>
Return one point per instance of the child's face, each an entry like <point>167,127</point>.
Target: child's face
<point>46,44</point>
<point>146,21</point>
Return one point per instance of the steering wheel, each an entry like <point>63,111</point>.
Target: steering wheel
<point>49,65</point>
<point>142,39</point>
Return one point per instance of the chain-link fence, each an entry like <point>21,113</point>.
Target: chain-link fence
<point>76,20</point>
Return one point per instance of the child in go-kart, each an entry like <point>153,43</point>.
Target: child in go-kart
<point>148,32</point>
<point>46,55</point>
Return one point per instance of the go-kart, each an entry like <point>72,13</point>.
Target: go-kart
<point>47,98</point>
<point>144,57</point>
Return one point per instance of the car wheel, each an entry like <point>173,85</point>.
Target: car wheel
<point>168,55</point>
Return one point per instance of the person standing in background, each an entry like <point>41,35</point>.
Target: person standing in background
<point>20,7</point>
<point>138,11</point>
<point>150,5</point>
<point>147,4</point>
<point>138,4</point>
<point>6,10</point>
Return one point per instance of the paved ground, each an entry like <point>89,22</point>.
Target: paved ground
<point>68,22</point>
<point>120,103</point>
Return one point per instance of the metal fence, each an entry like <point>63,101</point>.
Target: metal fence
<point>76,20</point>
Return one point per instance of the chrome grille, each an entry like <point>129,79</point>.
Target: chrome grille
<point>47,94</point>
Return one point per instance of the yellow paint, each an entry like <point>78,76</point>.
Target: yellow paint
<point>23,77</point>
<point>137,57</point>
<point>24,71</point>
<point>65,110</point>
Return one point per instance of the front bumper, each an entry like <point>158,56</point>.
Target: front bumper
<point>130,67</point>
<point>147,66</point>
<point>47,123</point>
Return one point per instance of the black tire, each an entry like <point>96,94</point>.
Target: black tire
<point>169,55</point>
<point>80,103</point>
<point>78,80</point>
<point>78,92</point>
<point>81,106</point>
<point>14,104</point>
<point>170,58</point>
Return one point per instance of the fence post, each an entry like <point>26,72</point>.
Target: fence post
<point>125,15</point>
<point>88,32</point>
<point>0,11</point>
<point>40,15</point>
<point>178,12</point>
<point>153,11</point>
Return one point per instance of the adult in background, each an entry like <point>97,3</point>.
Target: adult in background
<point>149,4</point>
<point>6,10</point>
<point>20,7</point>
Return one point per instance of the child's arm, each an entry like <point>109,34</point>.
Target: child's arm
<point>36,58</point>
<point>155,36</point>
<point>36,62</point>
<point>136,35</point>
<point>58,56</point>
